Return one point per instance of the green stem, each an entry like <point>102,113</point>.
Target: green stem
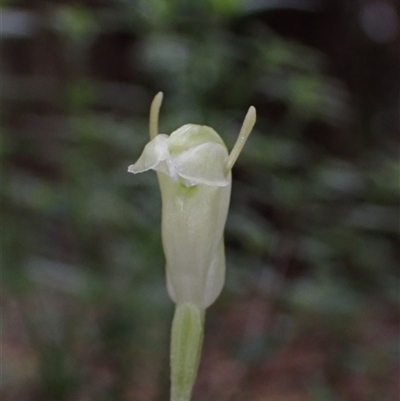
<point>186,342</point>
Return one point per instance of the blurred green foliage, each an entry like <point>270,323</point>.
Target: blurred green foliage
<point>312,235</point>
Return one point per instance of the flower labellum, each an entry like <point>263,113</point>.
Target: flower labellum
<point>194,172</point>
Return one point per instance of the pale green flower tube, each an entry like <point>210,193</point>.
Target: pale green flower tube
<point>194,172</point>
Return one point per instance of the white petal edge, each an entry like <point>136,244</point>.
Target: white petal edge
<point>154,153</point>
<point>202,164</point>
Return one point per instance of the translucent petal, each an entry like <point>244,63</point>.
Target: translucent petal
<point>191,135</point>
<point>153,157</point>
<point>203,164</point>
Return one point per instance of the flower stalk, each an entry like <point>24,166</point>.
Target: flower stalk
<point>194,173</point>
<point>186,343</point>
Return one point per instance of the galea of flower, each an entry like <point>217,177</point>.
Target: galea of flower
<point>194,173</point>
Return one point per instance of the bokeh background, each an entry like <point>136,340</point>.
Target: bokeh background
<point>310,310</point>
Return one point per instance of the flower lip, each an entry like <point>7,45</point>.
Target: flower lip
<point>192,155</point>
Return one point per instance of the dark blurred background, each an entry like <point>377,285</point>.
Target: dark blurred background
<point>310,310</point>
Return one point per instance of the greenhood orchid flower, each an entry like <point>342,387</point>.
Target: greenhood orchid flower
<point>194,172</point>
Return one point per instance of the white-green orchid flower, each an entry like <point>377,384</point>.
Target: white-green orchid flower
<point>194,172</point>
